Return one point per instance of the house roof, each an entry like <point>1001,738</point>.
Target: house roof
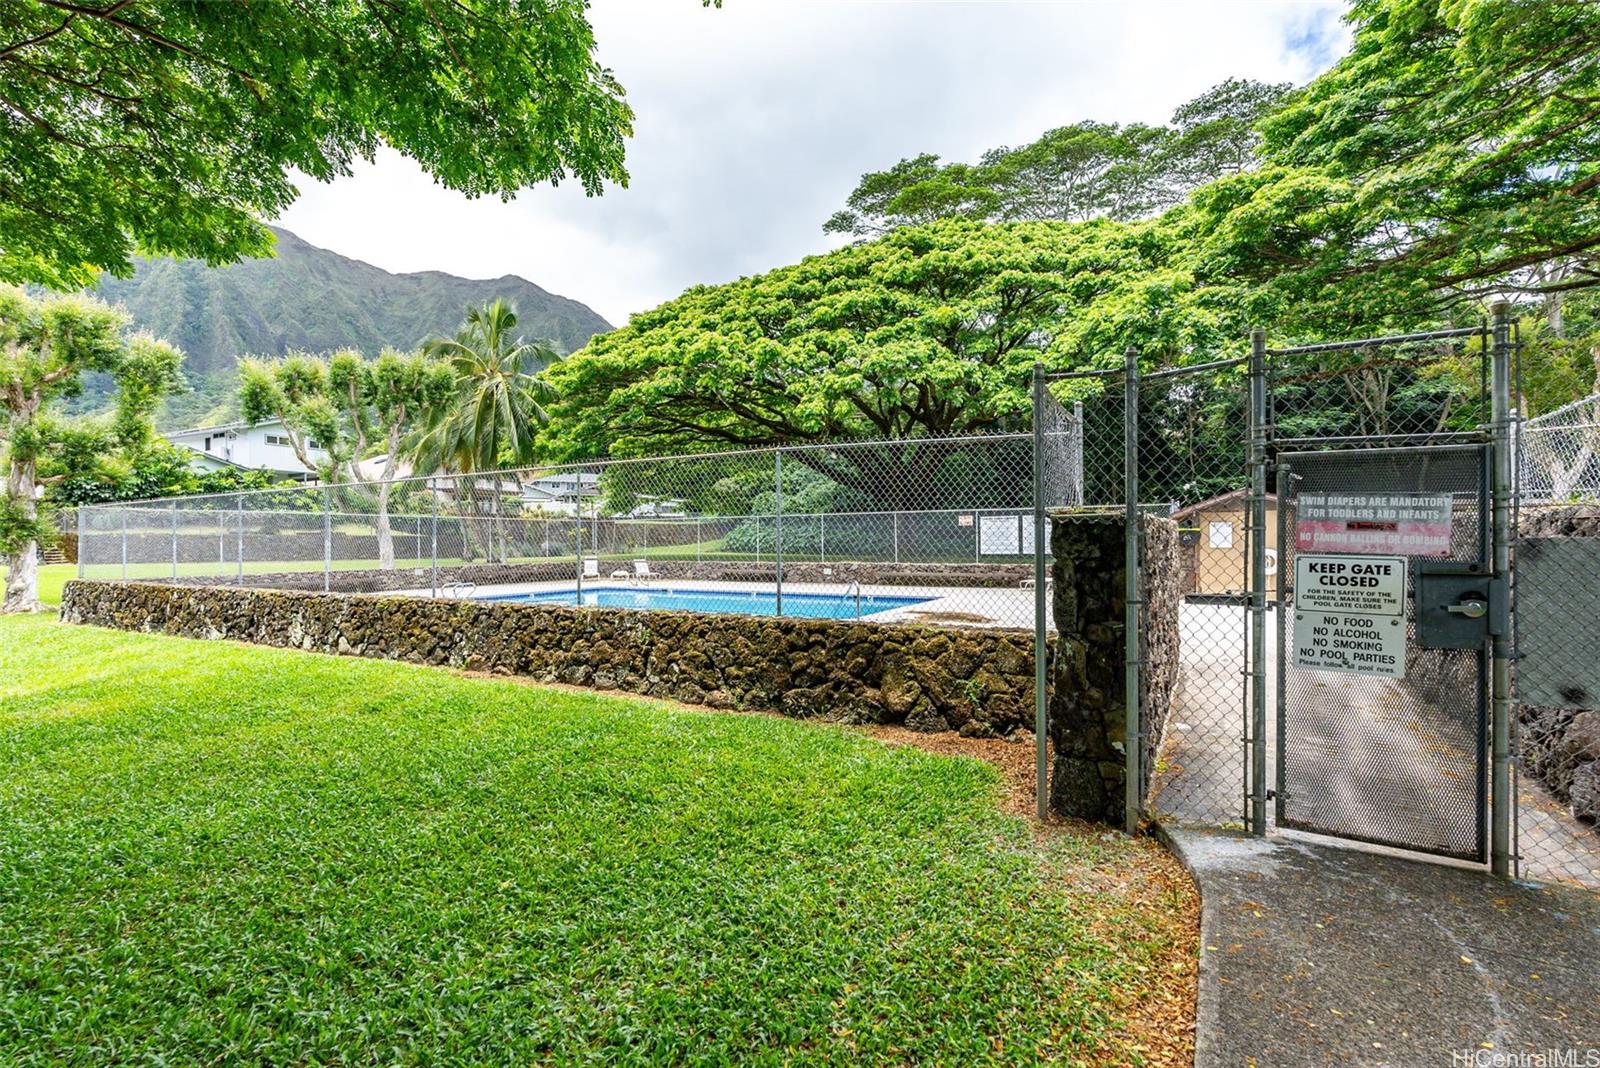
<point>238,425</point>
<point>211,457</point>
<point>1211,503</point>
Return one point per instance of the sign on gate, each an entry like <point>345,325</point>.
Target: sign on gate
<point>1412,524</point>
<point>1350,614</point>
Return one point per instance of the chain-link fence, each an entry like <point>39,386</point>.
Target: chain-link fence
<point>1556,723</point>
<point>937,530</point>
<point>1558,455</point>
<point>1192,467</point>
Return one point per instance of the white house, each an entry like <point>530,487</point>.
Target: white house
<point>560,492</point>
<point>262,446</point>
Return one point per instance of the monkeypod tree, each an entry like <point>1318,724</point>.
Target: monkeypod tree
<point>928,332</point>
<point>1084,170</point>
<point>1453,155</point>
<point>46,346</point>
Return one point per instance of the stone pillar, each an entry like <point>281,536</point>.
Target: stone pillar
<point>1087,697</point>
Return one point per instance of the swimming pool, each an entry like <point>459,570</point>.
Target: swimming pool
<point>753,602</point>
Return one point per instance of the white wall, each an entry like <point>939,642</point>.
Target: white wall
<point>264,445</point>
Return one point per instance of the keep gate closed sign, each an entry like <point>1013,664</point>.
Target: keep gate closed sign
<point>1350,614</point>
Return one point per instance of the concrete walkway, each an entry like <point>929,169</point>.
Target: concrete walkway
<point>1316,954</point>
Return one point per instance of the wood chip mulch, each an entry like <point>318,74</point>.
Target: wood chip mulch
<point>1160,1011</point>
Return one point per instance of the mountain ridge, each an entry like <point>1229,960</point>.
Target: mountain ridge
<point>312,298</point>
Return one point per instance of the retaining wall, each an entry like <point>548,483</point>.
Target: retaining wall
<point>979,682</point>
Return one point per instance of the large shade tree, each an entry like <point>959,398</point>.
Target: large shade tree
<point>1452,155</point>
<point>172,127</point>
<point>926,333</point>
<point>1084,170</point>
<point>46,347</point>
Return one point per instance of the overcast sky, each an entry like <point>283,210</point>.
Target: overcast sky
<point>753,123</point>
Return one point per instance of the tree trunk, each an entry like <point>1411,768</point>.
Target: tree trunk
<point>1554,305</point>
<point>22,566</point>
<point>385,534</point>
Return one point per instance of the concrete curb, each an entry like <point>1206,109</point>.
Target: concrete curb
<point>1208,994</point>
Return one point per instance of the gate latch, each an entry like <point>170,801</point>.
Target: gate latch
<point>1472,606</point>
<point>1458,605</point>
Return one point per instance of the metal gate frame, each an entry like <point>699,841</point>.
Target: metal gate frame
<point>1497,434</point>
<point>1286,477</point>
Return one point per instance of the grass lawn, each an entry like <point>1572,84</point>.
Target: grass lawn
<point>211,853</point>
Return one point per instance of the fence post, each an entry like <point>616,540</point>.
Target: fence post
<point>1133,748</point>
<point>174,507</point>
<point>1257,539</point>
<point>697,539</point>
<point>894,519</point>
<point>1041,648</point>
<point>777,530</point>
<point>124,544</point>
<point>239,548</point>
<point>82,526</point>
<point>822,537</point>
<point>577,538</point>
<point>433,536</point>
<point>1500,801</point>
<point>327,540</point>
<point>1077,454</point>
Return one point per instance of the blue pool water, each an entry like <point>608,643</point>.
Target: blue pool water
<point>754,603</point>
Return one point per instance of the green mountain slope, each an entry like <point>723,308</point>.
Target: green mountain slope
<point>310,298</point>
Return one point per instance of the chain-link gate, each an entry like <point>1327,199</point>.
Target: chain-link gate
<point>1392,749</point>
<point>1403,454</point>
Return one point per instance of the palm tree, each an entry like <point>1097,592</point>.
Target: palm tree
<point>497,406</point>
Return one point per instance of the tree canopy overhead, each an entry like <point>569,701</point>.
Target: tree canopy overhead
<point>171,128</point>
<point>1453,154</point>
<point>929,331</point>
<point>1080,171</point>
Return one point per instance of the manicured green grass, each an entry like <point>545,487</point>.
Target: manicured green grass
<point>211,853</point>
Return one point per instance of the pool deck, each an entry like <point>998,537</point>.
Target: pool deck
<point>965,606</point>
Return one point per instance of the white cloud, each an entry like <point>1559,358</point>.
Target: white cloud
<point>754,121</point>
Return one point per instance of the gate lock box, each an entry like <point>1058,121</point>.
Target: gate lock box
<point>1458,605</point>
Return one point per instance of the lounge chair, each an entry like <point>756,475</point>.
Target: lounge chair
<point>642,572</point>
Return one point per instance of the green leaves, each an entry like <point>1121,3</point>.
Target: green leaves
<point>1453,153</point>
<point>489,413</point>
<point>45,348</point>
<point>1080,171</point>
<point>929,331</point>
<point>172,128</point>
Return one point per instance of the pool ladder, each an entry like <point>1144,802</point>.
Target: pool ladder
<point>854,590</point>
